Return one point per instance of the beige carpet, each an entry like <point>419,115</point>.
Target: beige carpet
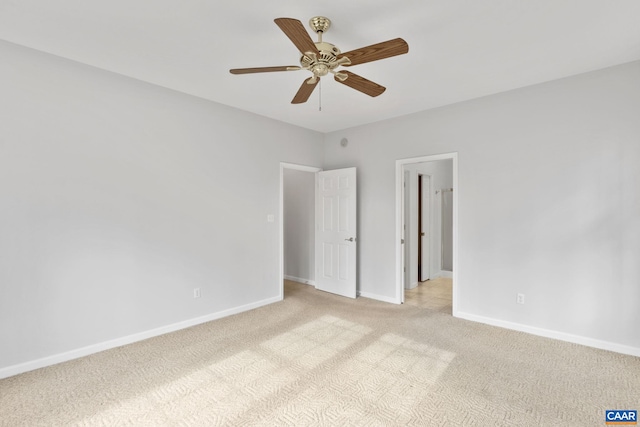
<point>318,359</point>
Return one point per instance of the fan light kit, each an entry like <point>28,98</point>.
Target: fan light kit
<point>322,58</point>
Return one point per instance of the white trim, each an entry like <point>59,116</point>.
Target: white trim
<point>283,166</point>
<point>377,297</point>
<point>413,285</point>
<point>547,333</point>
<point>443,273</point>
<point>300,280</point>
<point>429,225</point>
<point>129,339</point>
<point>399,298</point>
<point>400,261</point>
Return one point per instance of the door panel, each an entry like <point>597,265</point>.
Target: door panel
<point>327,264</point>
<point>327,218</point>
<point>336,244</point>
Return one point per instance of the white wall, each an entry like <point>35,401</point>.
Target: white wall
<point>118,198</point>
<point>299,225</point>
<point>549,202</point>
<point>441,173</point>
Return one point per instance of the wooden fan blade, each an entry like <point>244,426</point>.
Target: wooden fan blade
<point>297,34</point>
<point>361,84</point>
<point>264,69</point>
<point>305,91</point>
<point>376,51</point>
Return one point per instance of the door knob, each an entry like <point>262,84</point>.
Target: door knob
<point>350,239</point>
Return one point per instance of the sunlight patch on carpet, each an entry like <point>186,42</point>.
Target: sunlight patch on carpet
<point>317,341</point>
<point>381,378</point>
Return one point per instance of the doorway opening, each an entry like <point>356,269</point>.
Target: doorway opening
<point>297,224</point>
<point>426,223</point>
<point>318,224</point>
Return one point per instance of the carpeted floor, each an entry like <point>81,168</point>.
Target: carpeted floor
<point>319,359</point>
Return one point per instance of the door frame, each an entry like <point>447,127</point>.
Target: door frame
<point>424,210</point>
<point>400,163</point>
<point>406,215</point>
<point>283,166</point>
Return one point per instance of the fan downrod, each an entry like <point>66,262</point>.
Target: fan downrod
<point>327,61</point>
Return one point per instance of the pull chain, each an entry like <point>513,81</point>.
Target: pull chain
<point>320,93</point>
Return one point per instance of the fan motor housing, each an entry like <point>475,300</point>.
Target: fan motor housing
<point>321,65</point>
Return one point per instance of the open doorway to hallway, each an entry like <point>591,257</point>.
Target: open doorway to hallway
<point>427,229</point>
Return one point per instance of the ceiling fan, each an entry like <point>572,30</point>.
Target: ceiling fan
<point>322,58</point>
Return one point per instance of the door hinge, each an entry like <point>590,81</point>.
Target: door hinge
<point>402,241</point>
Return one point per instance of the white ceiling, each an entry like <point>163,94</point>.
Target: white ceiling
<point>458,50</point>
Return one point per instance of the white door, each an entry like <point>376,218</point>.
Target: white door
<point>336,232</point>
<point>425,237</point>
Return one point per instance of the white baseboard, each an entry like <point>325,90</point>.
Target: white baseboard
<point>547,333</point>
<point>129,339</point>
<point>300,280</point>
<point>378,297</point>
<point>443,273</point>
<point>413,285</point>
